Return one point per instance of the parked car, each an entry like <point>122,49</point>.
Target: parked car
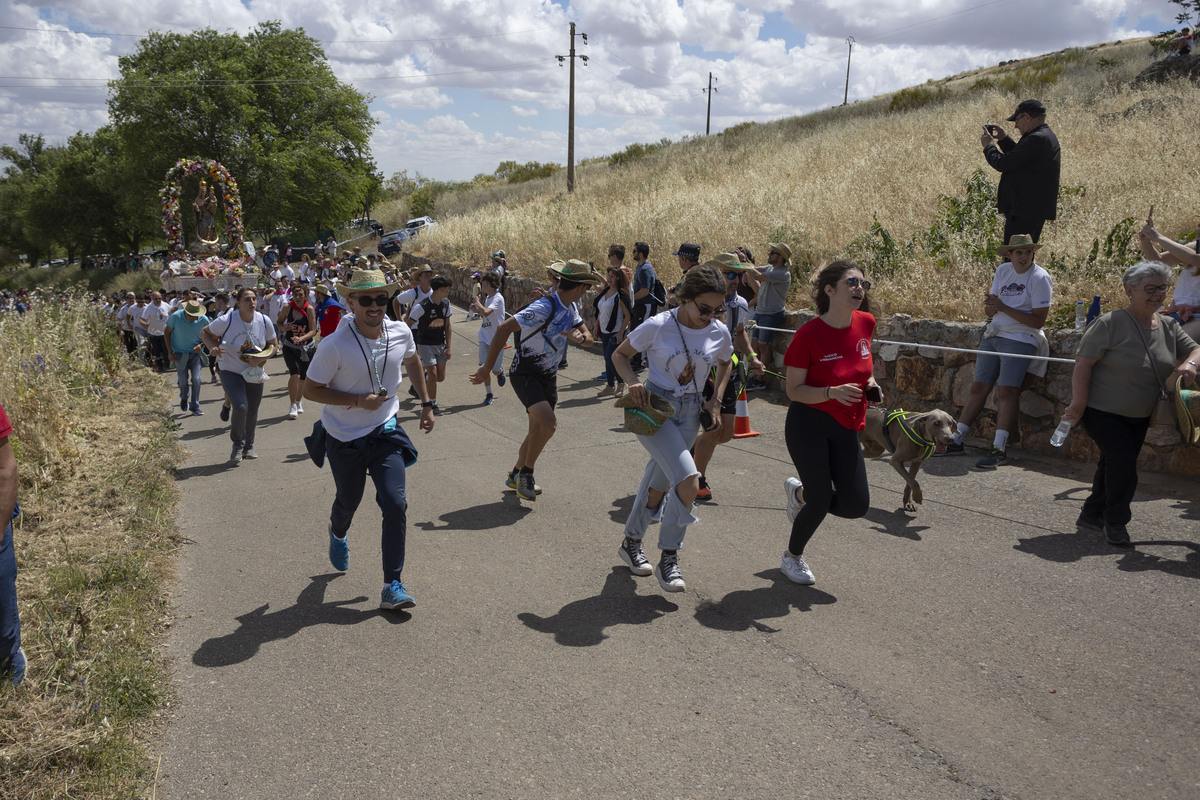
<point>392,242</point>
<point>415,226</point>
<point>366,222</point>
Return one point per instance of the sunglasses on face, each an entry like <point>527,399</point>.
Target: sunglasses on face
<point>732,276</point>
<point>705,311</point>
<point>855,282</point>
<point>366,301</point>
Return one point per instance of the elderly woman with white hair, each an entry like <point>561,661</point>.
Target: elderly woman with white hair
<point>1126,360</point>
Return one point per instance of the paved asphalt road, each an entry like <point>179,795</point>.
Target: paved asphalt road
<point>981,648</point>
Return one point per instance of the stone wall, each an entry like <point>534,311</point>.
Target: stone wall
<point>918,378</point>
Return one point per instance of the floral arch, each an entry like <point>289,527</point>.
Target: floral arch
<point>172,225</point>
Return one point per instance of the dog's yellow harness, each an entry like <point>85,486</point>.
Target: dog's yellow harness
<point>899,415</point>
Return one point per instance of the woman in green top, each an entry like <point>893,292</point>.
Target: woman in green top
<point>1125,360</point>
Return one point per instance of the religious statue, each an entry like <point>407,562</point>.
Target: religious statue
<point>205,208</point>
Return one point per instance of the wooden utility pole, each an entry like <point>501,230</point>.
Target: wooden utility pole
<point>850,42</point>
<point>708,116</point>
<point>571,108</point>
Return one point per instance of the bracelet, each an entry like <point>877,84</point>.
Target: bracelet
<point>826,392</point>
<point>1193,363</point>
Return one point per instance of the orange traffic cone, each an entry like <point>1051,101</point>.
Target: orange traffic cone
<point>741,423</point>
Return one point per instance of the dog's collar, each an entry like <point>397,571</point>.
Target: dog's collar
<point>899,415</point>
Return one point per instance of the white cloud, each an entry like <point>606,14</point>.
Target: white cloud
<point>494,62</point>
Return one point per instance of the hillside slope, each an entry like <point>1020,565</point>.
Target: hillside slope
<point>874,180</point>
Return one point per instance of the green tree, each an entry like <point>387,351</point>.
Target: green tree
<point>23,228</point>
<point>266,105</point>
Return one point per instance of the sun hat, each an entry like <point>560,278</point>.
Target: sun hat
<point>366,280</point>
<point>193,307</point>
<point>1187,411</point>
<point>574,270</point>
<point>645,421</point>
<point>498,254</point>
<point>257,356</point>
<point>321,288</point>
<point>416,271</point>
<point>782,249</point>
<point>727,262</point>
<point>1019,241</point>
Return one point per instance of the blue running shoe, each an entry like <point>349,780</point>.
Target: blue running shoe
<point>394,596</point>
<point>339,553</point>
<point>500,379</point>
<point>16,667</point>
<point>487,401</point>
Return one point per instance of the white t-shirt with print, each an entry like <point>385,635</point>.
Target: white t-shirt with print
<point>659,339</point>
<point>1025,292</point>
<point>487,328</point>
<point>343,361</point>
<point>154,318</point>
<point>232,330</point>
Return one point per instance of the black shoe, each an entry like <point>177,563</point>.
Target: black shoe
<point>225,413</point>
<point>1089,522</point>
<point>631,553</point>
<point>413,391</point>
<point>952,449</point>
<point>1116,535</point>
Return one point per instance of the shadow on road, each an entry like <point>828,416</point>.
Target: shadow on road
<point>621,508</point>
<point>479,518</point>
<point>1065,548</point>
<point>742,610</point>
<point>203,470</point>
<point>896,523</point>
<point>581,623</point>
<point>259,627</point>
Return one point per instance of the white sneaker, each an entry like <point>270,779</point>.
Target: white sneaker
<point>668,574</point>
<point>300,407</point>
<point>791,486</point>
<point>292,411</point>
<point>796,569</point>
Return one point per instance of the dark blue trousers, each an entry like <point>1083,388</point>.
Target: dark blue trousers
<point>10,621</point>
<point>383,459</point>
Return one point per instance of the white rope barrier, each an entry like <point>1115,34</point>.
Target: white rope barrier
<point>751,325</point>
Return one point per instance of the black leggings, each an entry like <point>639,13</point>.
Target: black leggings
<point>829,461</point>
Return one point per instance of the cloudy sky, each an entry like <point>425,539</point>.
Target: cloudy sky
<point>460,86</point>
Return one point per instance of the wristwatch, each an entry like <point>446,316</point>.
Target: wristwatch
<point>427,404</point>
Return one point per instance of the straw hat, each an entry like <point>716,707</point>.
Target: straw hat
<point>256,357</point>
<point>193,308</point>
<point>645,421</point>
<point>1019,241</point>
<point>727,262</point>
<point>574,270</point>
<point>782,249</point>
<point>1187,411</point>
<point>321,288</point>
<point>367,280</point>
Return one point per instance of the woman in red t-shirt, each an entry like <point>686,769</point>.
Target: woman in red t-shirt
<point>828,374</point>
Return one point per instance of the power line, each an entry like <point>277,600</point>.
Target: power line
<point>321,41</point>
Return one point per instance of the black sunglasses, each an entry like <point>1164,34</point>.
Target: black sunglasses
<point>366,301</point>
<point>852,282</point>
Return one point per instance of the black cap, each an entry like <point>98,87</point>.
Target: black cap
<point>686,250</point>
<point>1034,108</point>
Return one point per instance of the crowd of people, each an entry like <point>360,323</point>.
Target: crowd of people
<point>348,326</point>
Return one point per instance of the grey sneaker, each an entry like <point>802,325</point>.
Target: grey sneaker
<point>796,569</point>
<point>236,455</point>
<point>993,459</point>
<point>249,452</point>
<point>631,553</point>
<point>668,574</point>
<point>526,490</point>
<point>791,486</point>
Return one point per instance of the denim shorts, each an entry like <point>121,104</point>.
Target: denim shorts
<point>1002,370</point>
<point>769,320</point>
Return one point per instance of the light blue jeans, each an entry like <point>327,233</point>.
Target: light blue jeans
<point>187,373</point>
<point>670,463</point>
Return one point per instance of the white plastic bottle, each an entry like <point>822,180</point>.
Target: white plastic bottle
<point>1080,317</point>
<point>1060,433</point>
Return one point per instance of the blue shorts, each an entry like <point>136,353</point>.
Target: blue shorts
<point>1002,370</point>
<point>769,320</point>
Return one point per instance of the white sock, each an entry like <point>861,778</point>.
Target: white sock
<point>961,432</point>
<point>1001,439</point>
<point>489,391</point>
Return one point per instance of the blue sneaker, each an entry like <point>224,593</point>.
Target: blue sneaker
<point>394,596</point>
<point>487,400</point>
<point>500,379</point>
<point>183,405</point>
<point>993,459</point>
<point>16,667</point>
<point>339,553</point>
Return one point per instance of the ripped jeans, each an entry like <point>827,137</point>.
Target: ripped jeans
<point>670,463</point>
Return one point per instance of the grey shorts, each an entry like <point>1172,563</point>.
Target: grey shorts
<point>432,354</point>
<point>1002,369</point>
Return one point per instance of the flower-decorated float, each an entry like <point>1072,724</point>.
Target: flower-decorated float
<point>202,266</point>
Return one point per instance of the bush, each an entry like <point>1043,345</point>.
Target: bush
<point>917,97</point>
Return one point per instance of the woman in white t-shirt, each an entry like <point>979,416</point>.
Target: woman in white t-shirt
<point>236,332</point>
<point>491,314</point>
<point>1185,300</point>
<point>680,347</point>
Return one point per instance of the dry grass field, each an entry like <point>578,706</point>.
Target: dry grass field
<point>94,544</point>
<point>823,182</point>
